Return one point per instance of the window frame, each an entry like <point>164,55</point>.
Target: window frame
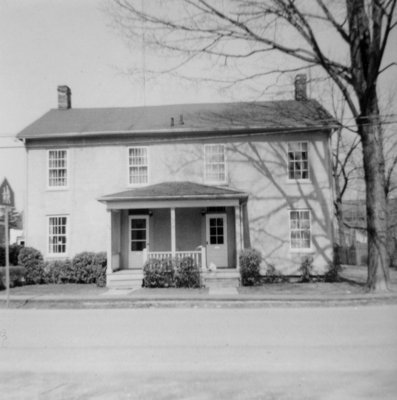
<point>308,161</point>
<point>129,166</point>
<point>67,168</point>
<point>290,230</point>
<point>50,253</point>
<point>208,229</point>
<point>147,229</point>
<point>215,182</point>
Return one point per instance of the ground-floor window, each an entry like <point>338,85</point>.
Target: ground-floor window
<point>57,234</point>
<point>300,229</point>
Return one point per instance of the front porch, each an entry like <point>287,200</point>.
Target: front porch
<point>183,220</point>
<point>132,279</point>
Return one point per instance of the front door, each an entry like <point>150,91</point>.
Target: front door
<point>216,240</point>
<point>138,240</point>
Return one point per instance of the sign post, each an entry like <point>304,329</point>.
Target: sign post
<point>7,201</point>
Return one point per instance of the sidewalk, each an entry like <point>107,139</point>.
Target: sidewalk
<point>350,291</point>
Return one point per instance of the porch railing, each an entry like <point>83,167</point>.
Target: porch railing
<point>197,255</point>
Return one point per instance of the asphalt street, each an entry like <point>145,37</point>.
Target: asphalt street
<point>330,353</point>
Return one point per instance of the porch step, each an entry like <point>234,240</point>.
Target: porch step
<point>221,279</point>
<point>125,279</point>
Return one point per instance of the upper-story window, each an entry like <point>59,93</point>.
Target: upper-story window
<point>138,165</point>
<point>214,163</point>
<point>57,168</point>
<point>298,161</point>
<point>300,229</point>
<point>57,235</point>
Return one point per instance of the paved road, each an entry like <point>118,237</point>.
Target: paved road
<point>281,353</point>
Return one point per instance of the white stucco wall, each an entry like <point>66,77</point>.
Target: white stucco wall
<point>259,168</point>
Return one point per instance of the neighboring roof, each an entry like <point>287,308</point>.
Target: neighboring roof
<point>268,116</point>
<point>176,190</point>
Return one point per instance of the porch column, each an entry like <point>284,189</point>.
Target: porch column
<point>109,269</point>
<point>245,226</point>
<point>173,232</point>
<point>237,218</point>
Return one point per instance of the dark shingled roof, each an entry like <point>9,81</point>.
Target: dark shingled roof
<point>176,190</point>
<point>288,114</point>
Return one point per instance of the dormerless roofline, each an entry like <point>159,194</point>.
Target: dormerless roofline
<point>152,132</point>
<point>241,196</point>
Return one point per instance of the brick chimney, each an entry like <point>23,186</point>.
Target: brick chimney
<point>64,97</point>
<point>300,87</point>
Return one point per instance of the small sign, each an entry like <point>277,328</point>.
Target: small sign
<point>6,195</point>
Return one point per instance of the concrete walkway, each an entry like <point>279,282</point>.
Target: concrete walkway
<point>344,293</point>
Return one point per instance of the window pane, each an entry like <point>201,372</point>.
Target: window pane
<point>138,235</point>
<point>138,165</point>
<point>214,156</point>
<point>138,223</point>
<point>57,239</point>
<point>300,236</point>
<point>298,166</point>
<point>138,246</point>
<point>57,168</point>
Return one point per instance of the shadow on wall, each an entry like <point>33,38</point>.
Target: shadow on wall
<point>271,197</point>
<point>258,166</point>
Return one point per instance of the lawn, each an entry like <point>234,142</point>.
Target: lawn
<point>302,289</point>
<point>69,289</point>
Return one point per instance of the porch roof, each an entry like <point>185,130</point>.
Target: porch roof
<point>175,190</point>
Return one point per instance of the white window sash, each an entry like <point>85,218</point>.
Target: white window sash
<point>57,235</point>
<point>57,169</point>
<point>300,229</point>
<point>215,163</point>
<point>298,161</point>
<point>138,166</point>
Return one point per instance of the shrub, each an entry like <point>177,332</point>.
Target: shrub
<point>14,250</point>
<point>306,270</point>
<point>32,260</point>
<point>17,276</point>
<point>332,275</point>
<point>250,261</point>
<point>187,274</point>
<point>159,273</point>
<point>59,271</point>
<point>83,270</point>
<point>89,267</point>
<point>85,267</point>
<point>274,276</point>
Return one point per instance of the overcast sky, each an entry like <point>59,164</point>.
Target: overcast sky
<point>46,43</point>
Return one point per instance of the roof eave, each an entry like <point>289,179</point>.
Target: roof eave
<point>241,196</point>
<point>152,132</point>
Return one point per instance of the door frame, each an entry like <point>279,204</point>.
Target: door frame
<point>207,232</point>
<point>131,217</point>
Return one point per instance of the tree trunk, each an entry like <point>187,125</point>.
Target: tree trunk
<point>374,169</point>
<point>339,214</point>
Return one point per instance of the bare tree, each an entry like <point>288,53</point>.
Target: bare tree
<point>251,30</point>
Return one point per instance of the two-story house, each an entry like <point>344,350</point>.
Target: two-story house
<point>203,180</point>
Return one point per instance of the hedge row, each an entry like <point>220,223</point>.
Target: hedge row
<point>168,272</point>
<point>250,262</point>
<point>86,267</point>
